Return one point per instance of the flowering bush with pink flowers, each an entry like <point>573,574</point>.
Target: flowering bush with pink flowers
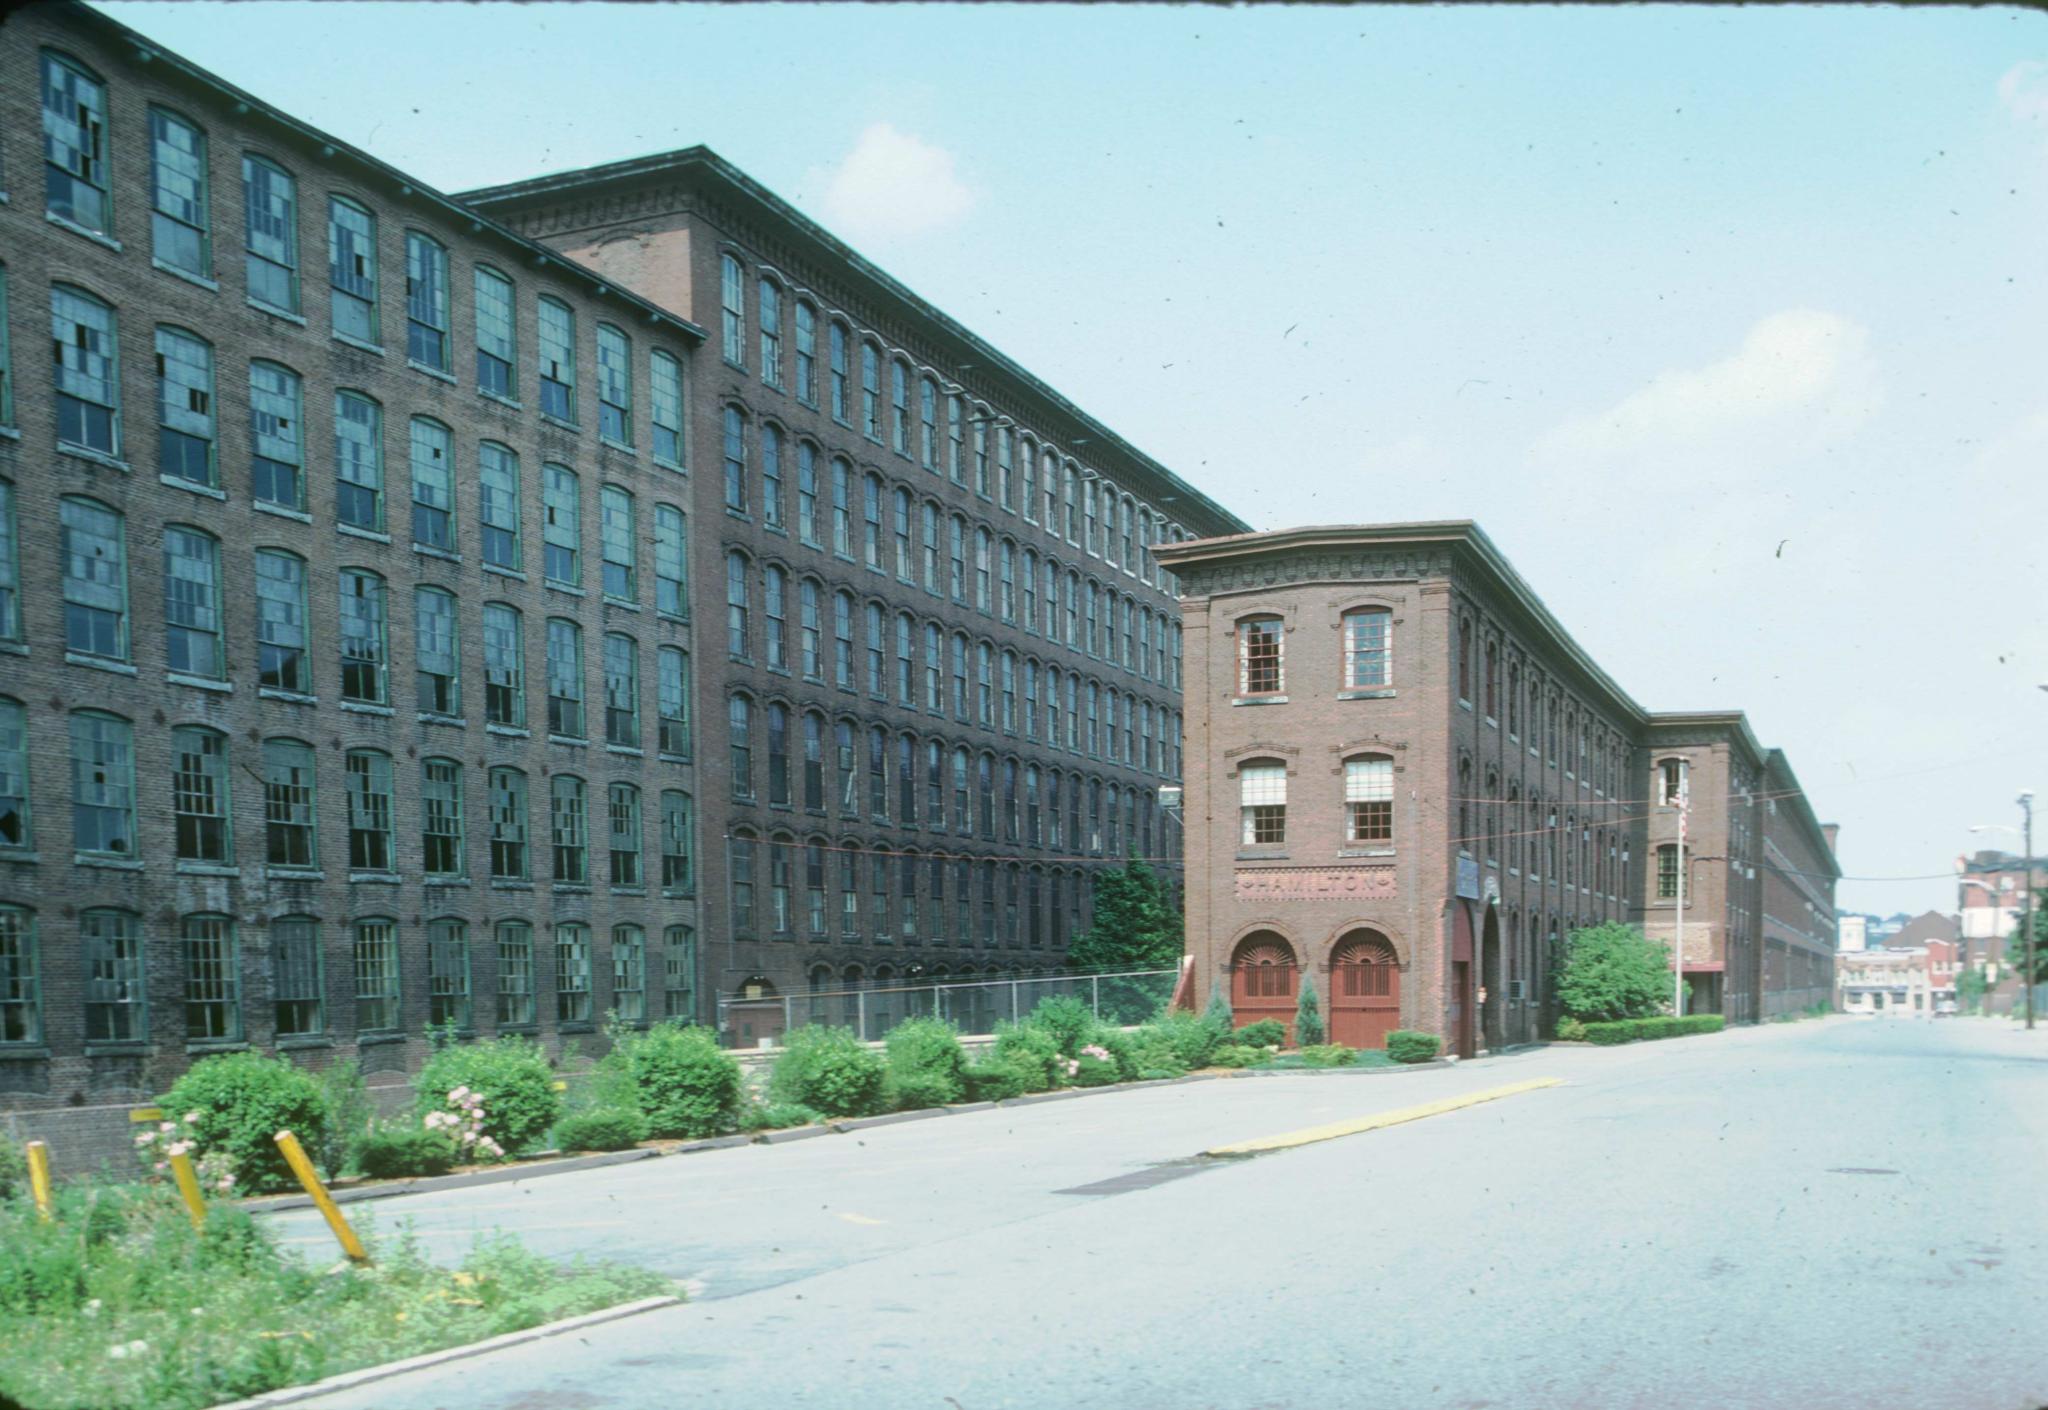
<point>156,1145</point>
<point>494,1099</point>
<point>462,1121</point>
<point>1092,1066</point>
<point>234,1104</point>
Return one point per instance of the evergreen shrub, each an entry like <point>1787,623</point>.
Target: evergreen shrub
<point>1407,1045</point>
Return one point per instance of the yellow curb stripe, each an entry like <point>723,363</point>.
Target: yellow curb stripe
<point>1310,1135</point>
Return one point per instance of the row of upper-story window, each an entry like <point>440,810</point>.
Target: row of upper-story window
<point>1560,844</point>
<point>937,426</point>
<point>98,631</point>
<point>992,688</point>
<point>1365,656</point>
<point>79,189</point>
<point>898,778</point>
<point>113,945</point>
<point>107,812</point>
<point>87,405</point>
<point>855,893</point>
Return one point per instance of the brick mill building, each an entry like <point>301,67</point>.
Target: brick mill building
<point>1406,783</point>
<point>411,614</point>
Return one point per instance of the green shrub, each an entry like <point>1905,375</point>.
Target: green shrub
<point>511,1075</point>
<point>601,1128</point>
<point>1095,1065</point>
<point>351,1116</point>
<point>1612,971</point>
<point>1571,1030</point>
<point>13,1170</point>
<point>1265,1033</point>
<point>1192,1038</point>
<point>996,1080</point>
<point>829,1070</point>
<point>398,1152</point>
<point>1154,1054</point>
<point>1308,1017</point>
<point>1034,1052</point>
<point>1407,1045</point>
<point>927,1065</point>
<point>1236,1055</point>
<point>1630,1030</point>
<point>1067,1019</point>
<point>1328,1055</point>
<point>243,1100</point>
<point>681,1080</point>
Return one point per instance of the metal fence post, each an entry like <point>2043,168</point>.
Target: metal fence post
<point>860,1014</point>
<point>1013,1001</point>
<point>1095,985</point>
<point>788,1012</point>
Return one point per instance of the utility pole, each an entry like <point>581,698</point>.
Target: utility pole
<point>2027,903</point>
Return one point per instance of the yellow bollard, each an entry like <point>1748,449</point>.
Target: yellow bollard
<point>295,1156</point>
<point>39,1176</point>
<point>188,1187</point>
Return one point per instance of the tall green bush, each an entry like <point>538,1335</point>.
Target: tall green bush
<point>927,1066</point>
<point>511,1075</point>
<point>1408,1045</point>
<point>1308,1017</point>
<point>681,1080</point>
<point>828,1070</point>
<point>1613,971</point>
<point>1263,1033</point>
<point>1134,926</point>
<point>1033,1052</point>
<point>242,1101</point>
<point>1068,1020</point>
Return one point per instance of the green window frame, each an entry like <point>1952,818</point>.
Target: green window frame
<point>213,979</point>
<point>352,270</point>
<point>21,1008</point>
<point>297,990</point>
<point>271,234</point>
<point>614,386</point>
<point>374,956</point>
<point>497,334</point>
<point>179,224</point>
<point>426,302</point>
<point>666,406</point>
<point>76,188</point>
<point>116,980</point>
<point>433,485</point>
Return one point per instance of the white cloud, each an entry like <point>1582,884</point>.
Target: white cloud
<point>892,184</point>
<point>2023,90</point>
<point>1804,374</point>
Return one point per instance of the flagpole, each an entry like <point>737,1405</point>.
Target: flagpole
<point>1678,919</point>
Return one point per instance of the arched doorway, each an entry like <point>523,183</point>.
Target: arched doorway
<point>754,1016</point>
<point>1262,980</point>
<point>1492,983</point>
<point>1365,990</point>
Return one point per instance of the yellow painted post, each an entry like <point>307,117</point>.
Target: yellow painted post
<point>39,1176</point>
<point>188,1188</point>
<point>139,1114</point>
<point>295,1156</point>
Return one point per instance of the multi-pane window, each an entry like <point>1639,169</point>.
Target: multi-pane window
<point>806,354</point>
<point>771,477</point>
<point>572,973</point>
<point>352,269</point>
<point>508,824</point>
<point>871,392</point>
<point>91,542</point>
<point>842,410</point>
<point>842,508</point>
<point>437,651</point>
<point>290,805</point>
<point>497,333</point>
<point>1667,872</point>
<point>672,701</point>
<point>87,370</point>
<point>735,459</point>
<point>374,957</point>
<point>561,525</point>
<point>1262,804</point>
<point>426,301</point>
<point>504,666</point>
<point>1671,782</point>
<point>515,973</point>
<point>676,870</point>
<point>448,974</point>
<point>498,505</point>
<point>433,485</point>
<point>15,829</point>
<point>10,560</point>
<point>621,691</point>
<point>192,603</point>
<point>740,870</point>
<point>1369,799</point>
<point>116,987</point>
<point>622,804</point>
<point>75,144</point>
<point>775,609</point>
<point>679,970</point>
<point>1258,656</point>
<point>271,233</point>
<point>200,796</point>
<point>442,852</point>
<point>297,991</point>
<point>363,638</point>
<point>736,627</point>
<point>629,973</point>
<point>956,435</point>
<point>21,1016</point>
<point>276,439</point>
<point>569,830</point>
<point>878,671</point>
<point>740,744</point>
<point>618,572</point>
<point>842,639</point>
<point>557,360</point>
<point>769,313</point>
<point>368,775</point>
<point>665,407</point>
<point>213,980</point>
<point>184,387</point>
<point>899,406</point>
<point>732,303</point>
<point>614,385</point>
<point>671,562</point>
<point>565,678</point>
<point>358,461</point>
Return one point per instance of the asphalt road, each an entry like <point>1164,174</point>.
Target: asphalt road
<point>1825,1214</point>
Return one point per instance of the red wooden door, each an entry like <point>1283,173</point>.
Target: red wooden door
<point>1365,992</point>
<point>1262,980</point>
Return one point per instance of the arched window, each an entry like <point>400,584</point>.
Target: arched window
<point>738,642</point>
<point>737,497</point>
<point>740,734</point>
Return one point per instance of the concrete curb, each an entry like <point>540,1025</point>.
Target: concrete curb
<point>791,1133</point>
<point>349,1380</point>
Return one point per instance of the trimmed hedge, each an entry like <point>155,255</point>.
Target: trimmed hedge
<point>1633,1030</point>
<point>996,1081</point>
<point>601,1128</point>
<point>1265,1033</point>
<point>398,1152</point>
<point>1407,1045</point>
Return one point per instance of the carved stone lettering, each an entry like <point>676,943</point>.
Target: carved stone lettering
<point>1314,883</point>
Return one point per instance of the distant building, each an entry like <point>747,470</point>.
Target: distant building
<point>1406,783</point>
<point>1899,980</point>
<point>1991,893</point>
<point>1852,933</point>
<point>1921,930</point>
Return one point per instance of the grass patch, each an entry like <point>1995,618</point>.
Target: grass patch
<point>1361,1057</point>
<point>117,1303</point>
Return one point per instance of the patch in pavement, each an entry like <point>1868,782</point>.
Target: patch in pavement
<point>1859,1170</point>
<point>1140,1179</point>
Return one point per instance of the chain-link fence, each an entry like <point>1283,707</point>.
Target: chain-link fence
<point>974,1006</point>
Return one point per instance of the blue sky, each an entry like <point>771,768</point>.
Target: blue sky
<point>1726,323</point>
